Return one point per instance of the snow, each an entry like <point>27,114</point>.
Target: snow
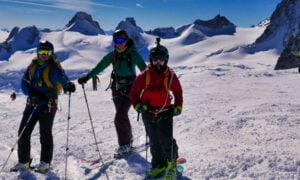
<point>240,118</point>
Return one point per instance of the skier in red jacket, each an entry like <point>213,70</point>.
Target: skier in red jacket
<point>150,96</point>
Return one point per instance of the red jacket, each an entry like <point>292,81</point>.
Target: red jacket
<point>155,95</point>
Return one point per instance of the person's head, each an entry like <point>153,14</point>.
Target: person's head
<point>159,56</point>
<point>45,50</point>
<point>120,38</point>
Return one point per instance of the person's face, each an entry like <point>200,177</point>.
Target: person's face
<point>158,62</point>
<point>158,59</point>
<point>120,43</point>
<point>44,54</point>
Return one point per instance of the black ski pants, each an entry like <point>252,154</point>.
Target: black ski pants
<point>122,104</point>
<point>44,114</point>
<point>163,146</point>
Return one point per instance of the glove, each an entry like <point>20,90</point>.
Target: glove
<point>177,110</point>
<point>69,87</point>
<point>139,107</point>
<point>83,80</point>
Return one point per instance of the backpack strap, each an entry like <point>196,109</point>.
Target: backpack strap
<point>147,80</point>
<point>168,78</point>
<point>45,75</point>
<point>32,69</point>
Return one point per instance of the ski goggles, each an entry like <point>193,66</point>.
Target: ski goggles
<point>119,40</point>
<point>158,57</point>
<point>45,52</point>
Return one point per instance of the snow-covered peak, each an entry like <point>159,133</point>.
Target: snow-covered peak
<point>19,39</point>
<point>264,23</point>
<point>166,32</point>
<point>284,22</point>
<point>196,31</point>
<point>218,23</point>
<point>84,23</point>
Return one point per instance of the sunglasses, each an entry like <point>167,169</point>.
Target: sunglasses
<point>119,40</point>
<point>45,52</point>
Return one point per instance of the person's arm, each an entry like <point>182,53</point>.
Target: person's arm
<point>138,60</point>
<point>137,88</point>
<point>104,63</point>
<point>25,82</point>
<point>177,91</point>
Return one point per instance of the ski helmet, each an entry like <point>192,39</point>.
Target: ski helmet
<point>159,51</point>
<point>119,33</point>
<point>45,45</point>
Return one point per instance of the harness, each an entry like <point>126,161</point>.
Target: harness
<point>117,79</point>
<point>45,75</point>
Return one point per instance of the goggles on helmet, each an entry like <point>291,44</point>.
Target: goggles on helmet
<point>45,52</point>
<point>119,40</point>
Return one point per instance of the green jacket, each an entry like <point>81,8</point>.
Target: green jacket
<point>123,63</point>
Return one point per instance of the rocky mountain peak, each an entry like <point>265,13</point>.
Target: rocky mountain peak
<point>84,23</point>
<point>19,39</point>
<point>284,22</point>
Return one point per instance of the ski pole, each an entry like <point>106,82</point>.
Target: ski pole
<point>172,140</point>
<point>172,115</point>
<point>67,143</point>
<point>138,116</point>
<point>147,129</point>
<point>19,137</point>
<point>86,101</point>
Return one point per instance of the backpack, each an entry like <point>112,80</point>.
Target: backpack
<point>167,79</point>
<point>58,87</point>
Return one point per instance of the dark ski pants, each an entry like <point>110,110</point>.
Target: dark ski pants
<point>163,146</point>
<point>122,104</point>
<point>45,117</point>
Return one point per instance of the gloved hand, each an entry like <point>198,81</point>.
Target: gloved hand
<point>83,80</point>
<point>139,107</point>
<point>177,110</point>
<point>69,87</point>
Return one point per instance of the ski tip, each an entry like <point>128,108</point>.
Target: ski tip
<point>181,160</point>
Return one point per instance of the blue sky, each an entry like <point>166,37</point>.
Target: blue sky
<point>149,14</point>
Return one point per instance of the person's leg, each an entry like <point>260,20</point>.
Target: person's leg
<point>46,118</point>
<point>165,131</point>
<point>122,123</point>
<point>24,138</point>
<point>155,146</point>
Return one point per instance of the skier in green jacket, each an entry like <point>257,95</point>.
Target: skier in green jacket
<point>124,58</point>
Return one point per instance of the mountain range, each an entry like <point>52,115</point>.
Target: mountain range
<point>283,23</point>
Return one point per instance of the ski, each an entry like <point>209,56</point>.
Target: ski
<point>41,172</point>
<point>104,166</point>
<point>135,149</point>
